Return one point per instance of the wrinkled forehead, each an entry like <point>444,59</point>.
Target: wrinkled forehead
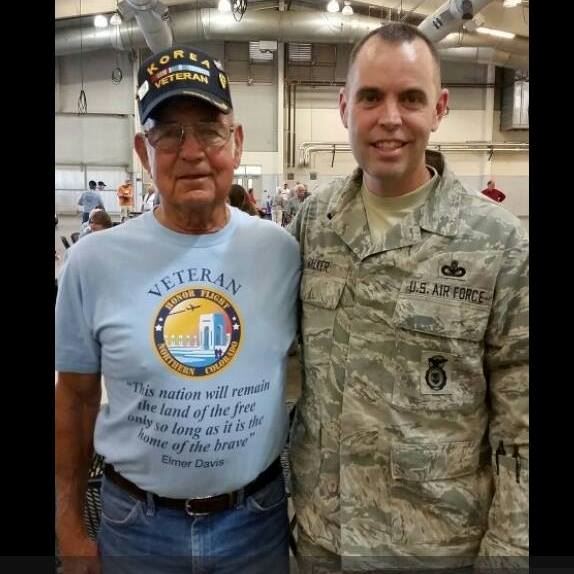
<point>186,109</point>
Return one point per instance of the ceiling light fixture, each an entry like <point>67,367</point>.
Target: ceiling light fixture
<point>224,6</point>
<point>347,8</point>
<point>100,21</point>
<point>511,3</point>
<point>495,33</point>
<point>333,6</point>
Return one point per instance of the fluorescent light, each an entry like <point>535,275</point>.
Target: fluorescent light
<point>333,6</point>
<point>347,9</point>
<point>495,33</point>
<point>224,6</point>
<point>116,19</point>
<point>100,21</point>
<point>511,3</point>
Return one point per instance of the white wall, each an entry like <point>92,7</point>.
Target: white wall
<point>103,96</point>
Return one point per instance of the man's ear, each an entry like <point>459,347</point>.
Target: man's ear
<point>343,109</point>
<point>141,149</point>
<point>238,145</point>
<point>441,108</point>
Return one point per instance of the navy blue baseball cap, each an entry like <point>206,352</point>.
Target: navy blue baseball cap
<point>181,71</point>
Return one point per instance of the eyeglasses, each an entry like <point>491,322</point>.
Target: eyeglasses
<point>170,136</point>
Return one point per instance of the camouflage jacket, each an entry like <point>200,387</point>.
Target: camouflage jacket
<point>415,356</point>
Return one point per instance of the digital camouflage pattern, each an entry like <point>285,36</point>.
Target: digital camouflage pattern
<point>415,355</point>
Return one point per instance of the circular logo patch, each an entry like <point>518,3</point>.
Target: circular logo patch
<point>197,332</point>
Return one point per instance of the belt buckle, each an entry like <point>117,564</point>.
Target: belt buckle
<point>189,501</point>
<point>187,506</point>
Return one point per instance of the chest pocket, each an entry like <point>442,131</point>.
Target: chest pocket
<point>320,296</point>
<point>320,290</point>
<point>439,339</point>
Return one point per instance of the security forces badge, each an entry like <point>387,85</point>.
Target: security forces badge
<point>436,371</point>
<point>435,375</point>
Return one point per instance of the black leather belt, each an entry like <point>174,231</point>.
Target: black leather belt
<point>193,506</point>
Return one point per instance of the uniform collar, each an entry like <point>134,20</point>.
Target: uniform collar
<point>439,214</point>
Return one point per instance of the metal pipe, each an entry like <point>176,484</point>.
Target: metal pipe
<point>307,148</point>
<point>152,18</point>
<point>294,135</point>
<point>288,124</point>
<point>448,17</point>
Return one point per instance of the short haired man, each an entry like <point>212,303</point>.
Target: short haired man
<point>410,445</point>
<point>192,345</point>
<point>89,200</point>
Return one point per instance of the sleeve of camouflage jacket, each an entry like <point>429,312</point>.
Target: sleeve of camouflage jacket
<point>506,367</point>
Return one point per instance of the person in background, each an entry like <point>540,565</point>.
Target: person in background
<point>278,204</point>
<point>89,200</point>
<point>266,205</point>
<point>296,201</point>
<point>147,201</point>
<point>239,198</point>
<point>168,309</point>
<point>125,195</point>
<point>493,193</point>
<point>99,220</point>
<point>410,445</point>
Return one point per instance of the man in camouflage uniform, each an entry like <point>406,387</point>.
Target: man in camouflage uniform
<point>410,445</point>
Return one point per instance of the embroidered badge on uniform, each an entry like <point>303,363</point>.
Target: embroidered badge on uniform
<point>438,373</point>
<point>453,270</point>
<point>436,376</point>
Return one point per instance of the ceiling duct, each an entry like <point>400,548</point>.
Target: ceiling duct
<point>449,17</point>
<point>152,18</point>
<point>485,56</point>
<point>289,26</point>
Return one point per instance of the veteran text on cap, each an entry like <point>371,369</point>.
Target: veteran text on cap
<point>181,71</point>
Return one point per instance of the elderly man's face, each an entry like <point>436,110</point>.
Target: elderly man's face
<point>195,175</point>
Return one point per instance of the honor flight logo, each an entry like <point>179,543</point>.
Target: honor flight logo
<point>197,332</point>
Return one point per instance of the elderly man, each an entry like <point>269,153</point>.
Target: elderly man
<point>410,446</point>
<point>195,421</point>
<point>299,196</point>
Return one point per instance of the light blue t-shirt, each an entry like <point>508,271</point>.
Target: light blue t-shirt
<point>191,334</point>
<point>90,200</point>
